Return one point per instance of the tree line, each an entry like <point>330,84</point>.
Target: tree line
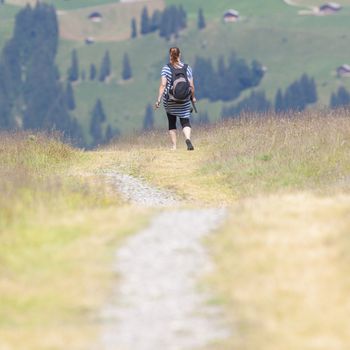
<point>340,99</point>
<point>168,23</point>
<point>227,81</point>
<point>31,94</point>
<point>297,96</point>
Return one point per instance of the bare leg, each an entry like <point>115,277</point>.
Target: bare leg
<point>172,134</point>
<point>187,132</point>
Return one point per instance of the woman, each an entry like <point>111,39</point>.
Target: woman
<point>173,108</point>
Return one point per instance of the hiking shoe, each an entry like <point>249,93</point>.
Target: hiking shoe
<point>189,145</point>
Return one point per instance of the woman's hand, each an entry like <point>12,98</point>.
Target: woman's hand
<point>157,104</point>
<point>194,100</point>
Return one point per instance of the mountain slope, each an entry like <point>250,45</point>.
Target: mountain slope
<point>286,43</point>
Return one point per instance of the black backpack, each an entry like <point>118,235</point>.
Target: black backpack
<point>180,88</point>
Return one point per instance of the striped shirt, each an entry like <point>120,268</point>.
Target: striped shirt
<point>181,110</point>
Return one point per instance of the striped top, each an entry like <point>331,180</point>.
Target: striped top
<point>181,110</point>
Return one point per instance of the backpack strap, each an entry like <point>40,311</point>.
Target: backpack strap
<point>172,70</point>
<point>185,70</point>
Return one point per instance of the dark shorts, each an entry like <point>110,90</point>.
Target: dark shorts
<point>172,122</point>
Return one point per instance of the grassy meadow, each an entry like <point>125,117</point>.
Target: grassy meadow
<point>242,157</point>
<point>59,227</point>
<point>281,260</point>
<point>281,266</point>
<point>282,272</point>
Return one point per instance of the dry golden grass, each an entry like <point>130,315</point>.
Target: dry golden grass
<point>58,233</point>
<point>281,260</point>
<point>283,273</point>
<point>245,157</point>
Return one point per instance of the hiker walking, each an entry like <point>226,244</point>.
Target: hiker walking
<point>177,90</point>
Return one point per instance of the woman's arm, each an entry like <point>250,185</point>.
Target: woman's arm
<point>192,89</point>
<point>162,87</point>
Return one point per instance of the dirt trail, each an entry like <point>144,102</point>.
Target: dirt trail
<point>157,303</point>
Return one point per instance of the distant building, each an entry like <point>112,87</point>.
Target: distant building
<point>95,17</point>
<point>89,40</point>
<point>231,16</point>
<point>329,8</point>
<point>343,71</point>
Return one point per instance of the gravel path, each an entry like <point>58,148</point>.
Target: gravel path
<point>156,304</point>
<point>139,192</point>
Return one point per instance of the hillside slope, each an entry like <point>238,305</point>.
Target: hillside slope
<point>286,43</point>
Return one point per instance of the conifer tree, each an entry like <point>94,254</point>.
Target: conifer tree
<point>133,29</point>
<point>201,20</point>
<point>340,99</point>
<point>98,117</point>
<point>172,20</point>
<point>165,26</point>
<point>255,103</point>
<point>73,72</point>
<point>6,117</point>
<point>221,66</point>
<point>127,72</point>
<point>111,133</point>
<point>145,22</point>
<point>333,103</point>
<point>155,21</point>
<point>148,120</point>
<point>93,72</point>
<point>313,96</point>
<point>182,17</point>
<point>309,88</point>
<point>29,74</point>
<point>70,100</point>
<point>279,105</point>
<point>105,69</point>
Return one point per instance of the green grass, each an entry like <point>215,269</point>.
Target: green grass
<point>213,10</point>
<point>7,15</point>
<point>286,43</point>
